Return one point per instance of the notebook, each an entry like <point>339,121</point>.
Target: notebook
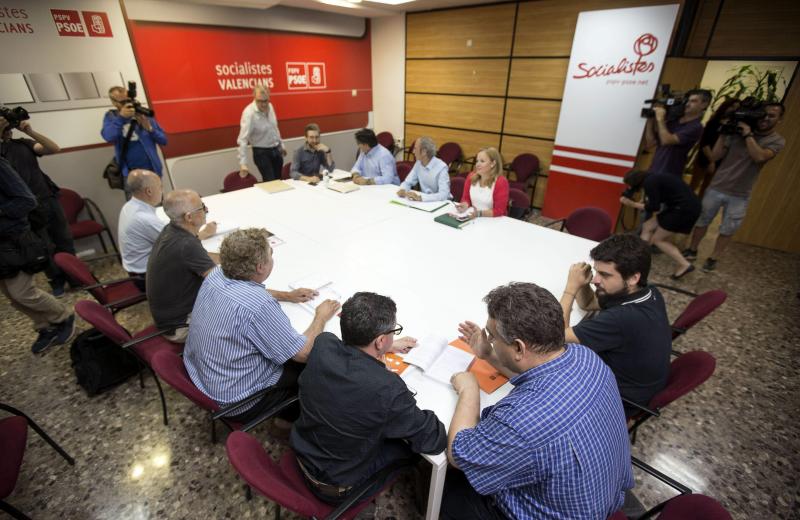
<point>274,186</point>
<point>342,187</point>
<point>449,220</point>
<point>430,207</point>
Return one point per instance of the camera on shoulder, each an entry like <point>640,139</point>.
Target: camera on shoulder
<point>14,116</point>
<point>750,111</point>
<point>673,101</point>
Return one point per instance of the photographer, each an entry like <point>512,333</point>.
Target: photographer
<point>23,253</point>
<point>673,137</point>
<point>673,207</point>
<point>23,156</point>
<point>742,155</point>
<point>133,134</point>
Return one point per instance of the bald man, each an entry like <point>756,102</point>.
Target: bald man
<point>259,128</point>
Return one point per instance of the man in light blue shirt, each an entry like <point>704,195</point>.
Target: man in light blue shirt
<point>429,171</point>
<point>139,226</point>
<point>375,164</point>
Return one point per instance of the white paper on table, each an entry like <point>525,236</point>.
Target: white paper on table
<point>325,288</point>
<point>437,359</point>
<point>339,174</point>
<point>224,226</point>
<point>213,243</point>
<point>425,353</point>
<point>430,206</point>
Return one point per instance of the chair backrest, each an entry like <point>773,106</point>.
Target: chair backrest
<point>72,204</point>
<point>286,171</point>
<point>519,204</point>
<point>403,169</point>
<point>386,139</point>
<point>233,182</point>
<point>591,223</point>
<point>687,372</point>
<point>449,153</point>
<point>169,367</point>
<point>457,187</point>
<point>524,165</point>
<point>409,152</point>
<point>256,467</point>
<point>79,273</point>
<point>694,507</point>
<point>700,307</point>
<point>103,320</point>
<point>13,434</point>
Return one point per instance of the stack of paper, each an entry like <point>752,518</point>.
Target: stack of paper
<point>274,186</point>
<point>430,207</point>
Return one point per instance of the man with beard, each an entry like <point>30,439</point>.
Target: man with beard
<point>631,331</point>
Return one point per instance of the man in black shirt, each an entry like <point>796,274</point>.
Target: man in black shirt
<point>631,331</point>
<point>48,217</point>
<point>356,416</point>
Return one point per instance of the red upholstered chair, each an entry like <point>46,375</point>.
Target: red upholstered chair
<point>144,344</point>
<point>590,223</point>
<point>283,483</point>
<point>452,155</point>
<point>386,139</point>
<point>700,307</point>
<point>403,169</point>
<point>457,187</point>
<point>408,153</point>
<point>73,204</point>
<point>13,438</point>
<point>526,169</point>
<point>687,372</point>
<point>519,204</point>
<point>286,171</point>
<point>233,182</point>
<point>114,294</point>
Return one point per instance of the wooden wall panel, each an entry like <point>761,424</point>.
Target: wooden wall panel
<point>773,216</point>
<point>532,118</point>
<point>479,77</point>
<point>701,29</point>
<point>683,73</point>
<point>467,112</point>
<point>475,31</point>
<point>538,78</point>
<point>513,146</point>
<point>470,142</point>
<point>748,28</point>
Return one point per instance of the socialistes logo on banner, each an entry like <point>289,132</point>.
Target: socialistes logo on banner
<point>305,75</point>
<point>68,23</point>
<point>644,45</point>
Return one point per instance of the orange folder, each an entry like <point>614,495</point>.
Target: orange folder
<point>489,379</point>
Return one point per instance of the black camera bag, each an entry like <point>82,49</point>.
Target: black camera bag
<point>113,172</point>
<point>99,363</point>
<point>26,252</point>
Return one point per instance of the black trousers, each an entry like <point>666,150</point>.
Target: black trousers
<point>460,500</point>
<point>58,234</point>
<point>285,388</point>
<point>269,162</point>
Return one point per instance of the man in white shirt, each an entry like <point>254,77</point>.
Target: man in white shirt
<point>139,226</point>
<point>259,128</point>
<point>429,171</point>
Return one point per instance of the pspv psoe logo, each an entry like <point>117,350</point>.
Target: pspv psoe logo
<point>644,45</point>
<point>68,23</point>
<point>305,75</point>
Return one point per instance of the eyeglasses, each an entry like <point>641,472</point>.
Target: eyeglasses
<point>203,207</point>
<point>396,332</point>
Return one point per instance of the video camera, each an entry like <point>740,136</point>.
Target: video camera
<point>14,116</point>
<point>673,102</point>
<point>750,111</point>
<point>138,107</point>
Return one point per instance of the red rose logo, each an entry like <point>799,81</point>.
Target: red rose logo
<point>645,44</point>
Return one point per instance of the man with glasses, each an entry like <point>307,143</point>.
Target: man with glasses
<point>259,128</point>
<point>240,340</point>
<point>357,417</point>
<point>556,446</point>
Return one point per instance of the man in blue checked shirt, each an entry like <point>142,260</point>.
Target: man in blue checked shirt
<point>375,164</point>
<point>556,446</point>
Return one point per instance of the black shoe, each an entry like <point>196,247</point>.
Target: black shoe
<point>689,253</point>
<point>47,338</point>
<point>684,273</point>
<point>710,265</point>
<point>655,250</point>
<point>65,329</point>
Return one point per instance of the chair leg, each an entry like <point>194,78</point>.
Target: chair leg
<point>102,242</point>
<point>141,377</point>
<point>161,395</point>
<point>13,511</point>
<point>213,431</point>
<point>248,493</point>
<point>50,441</point>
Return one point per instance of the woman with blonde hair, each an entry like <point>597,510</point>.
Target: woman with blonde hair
<point>486,189</point>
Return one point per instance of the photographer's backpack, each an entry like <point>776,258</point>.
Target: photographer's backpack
<point>99,363</point>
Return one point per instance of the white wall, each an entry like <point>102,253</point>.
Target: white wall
<point>389,74</point>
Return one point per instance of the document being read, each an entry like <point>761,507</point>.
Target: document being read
<point>325,287</point>
<point>437,359</point>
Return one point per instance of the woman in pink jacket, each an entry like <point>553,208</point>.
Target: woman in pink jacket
<point>486,190</point>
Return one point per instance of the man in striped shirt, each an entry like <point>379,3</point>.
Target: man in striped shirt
<point>240,340</point>
<point>556,446</point>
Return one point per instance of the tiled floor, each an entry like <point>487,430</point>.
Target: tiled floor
<point>735,439</point>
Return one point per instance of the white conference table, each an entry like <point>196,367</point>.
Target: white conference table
<point>437,275</point>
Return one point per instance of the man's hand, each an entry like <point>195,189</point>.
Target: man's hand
<point>580,275</point>
<point>209,229</point>
<point>464,382</point>
<point>283,151</point>
<point>477,339</point>
<point>403,345</point>
<point>25,126</point>
<point>243,171</point>
<point>301,295</point>
<point>362,181</point>
<point>323,148</point>
<point>660,112</point>
<point>402,193</point>
<point>127,111</point>
<point>327,309</point>
<point>413,195</point>
<point>744,128</point>
<point>144,122</point>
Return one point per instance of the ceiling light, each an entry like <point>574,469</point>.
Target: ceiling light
<point>390,2</point>
<point>340,3</point>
